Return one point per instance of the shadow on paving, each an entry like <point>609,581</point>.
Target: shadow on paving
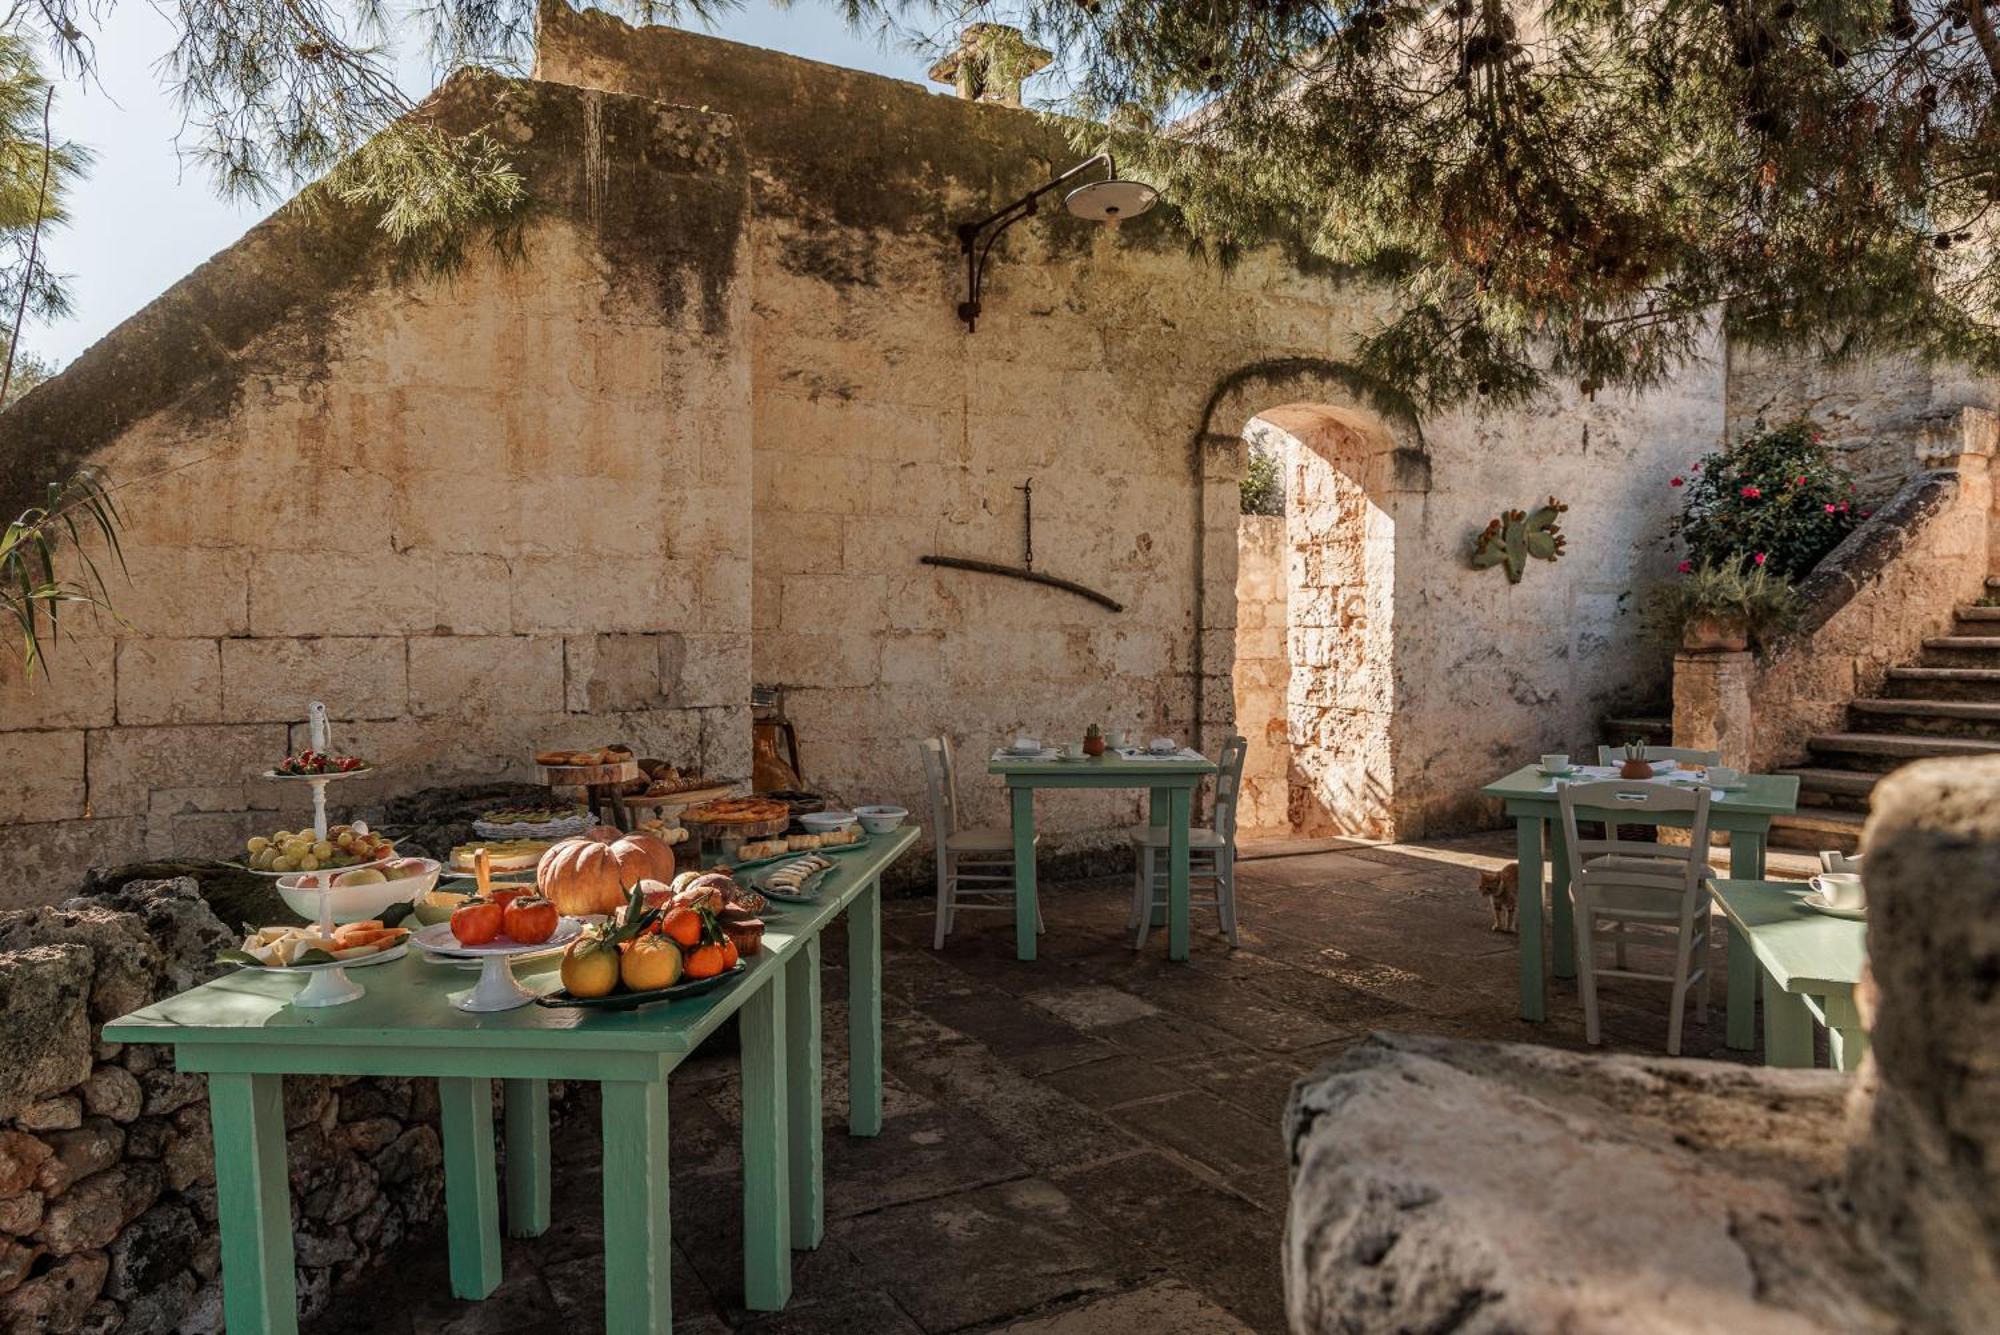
<point>1088,1143</point>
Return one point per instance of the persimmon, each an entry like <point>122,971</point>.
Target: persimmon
<point>530,919</point>
<point>477,921</point>
<point>705,961</point>
<point>683,925</point>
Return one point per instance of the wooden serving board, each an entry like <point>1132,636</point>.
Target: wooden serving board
<point>686,799</point>
<point>584,776</point>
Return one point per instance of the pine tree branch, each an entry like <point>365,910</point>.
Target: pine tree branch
<point>34,246</point>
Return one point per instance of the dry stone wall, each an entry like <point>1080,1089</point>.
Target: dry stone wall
<point>1262,670</point>
<point>107,1166</point>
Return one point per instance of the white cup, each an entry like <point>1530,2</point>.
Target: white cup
<point>1115,738</point>
<point>1556,762</point>
<point>1161,746</point>
<point>1073,750</point>
<point>1027,743</point>
<point>1724,775</point>
<point>1840,890</point>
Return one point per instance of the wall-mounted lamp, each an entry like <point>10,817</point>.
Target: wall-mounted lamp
<point>1109,201</point>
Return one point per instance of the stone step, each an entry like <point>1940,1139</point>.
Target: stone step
<point>1844,789</point>
<point>1978,621</point>
<point>1962,651</point>
<point>1818,828</point>
<point>1931,718</point>
<point>1881,752</point>
<point>1929,683</point>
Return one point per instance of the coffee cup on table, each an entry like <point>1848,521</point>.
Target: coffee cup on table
<point>1555,762</point>
<point>1840,890</point>
<point>1162,746</point>
<point>1116,739</point>
<point>1072,750</point>
<point>1027,743</point>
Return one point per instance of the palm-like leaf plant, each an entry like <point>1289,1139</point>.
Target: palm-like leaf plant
<point>46,566</point>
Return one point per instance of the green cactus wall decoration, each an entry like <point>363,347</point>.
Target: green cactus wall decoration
<point>1517,535</point>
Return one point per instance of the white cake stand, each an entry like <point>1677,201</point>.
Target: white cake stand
<point>328,984</point>
<point>497,989</point>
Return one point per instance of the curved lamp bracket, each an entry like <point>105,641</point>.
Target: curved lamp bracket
<point>976,239</point>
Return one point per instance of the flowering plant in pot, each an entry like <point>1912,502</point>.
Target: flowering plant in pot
<point>1712,608</point>
<point>1776,498</point>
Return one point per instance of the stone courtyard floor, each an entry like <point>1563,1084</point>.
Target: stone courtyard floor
<point>1089,1143</point>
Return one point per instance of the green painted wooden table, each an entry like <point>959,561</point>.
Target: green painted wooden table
<point>1170,785</point>
<point>241,1031</point>
<point>1530,799</point>
<point>1809,962</point>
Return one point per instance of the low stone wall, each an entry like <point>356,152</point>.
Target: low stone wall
<point>1870,605</point>
<point>107,1169</point>
<point>1261,674</point>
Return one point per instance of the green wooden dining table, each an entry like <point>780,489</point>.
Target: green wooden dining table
<point>1809,963</point>
<point>242,1032</point>
<point>1170,787</point>
<point>1529,799</point>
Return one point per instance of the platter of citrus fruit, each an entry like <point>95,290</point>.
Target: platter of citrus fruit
<point>663,945</point>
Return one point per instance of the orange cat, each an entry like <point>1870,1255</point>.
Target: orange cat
<point>1503,887</point>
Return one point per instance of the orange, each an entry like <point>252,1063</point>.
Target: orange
<point>650,962</point>
<point>590,968</point>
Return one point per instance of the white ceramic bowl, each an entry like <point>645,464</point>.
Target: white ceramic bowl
<point>356,903</point>
<point>881,820</point>
<point>825,822</point>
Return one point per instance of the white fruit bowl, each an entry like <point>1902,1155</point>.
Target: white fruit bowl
<point>881,819</point>
<point>355,903</point>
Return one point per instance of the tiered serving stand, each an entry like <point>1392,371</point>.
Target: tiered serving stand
<point>326,984</point>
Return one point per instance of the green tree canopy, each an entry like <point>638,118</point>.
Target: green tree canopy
<point>1576,190</point>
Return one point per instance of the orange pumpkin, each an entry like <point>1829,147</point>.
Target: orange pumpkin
<point>595,871</point>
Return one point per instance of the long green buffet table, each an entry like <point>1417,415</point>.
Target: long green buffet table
<point>243,1033</point>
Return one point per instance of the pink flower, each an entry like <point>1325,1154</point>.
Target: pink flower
<point>1829,507</point>
<point>1818,436</point>
<point>1843,507</point>
<point>1758,558</point>
<point>1678,482</point>
<point>1799,481</point>
<point>1752,492</point>
<point>1684,567</point>
<point>1696,468</point>
<point>1866,513</point>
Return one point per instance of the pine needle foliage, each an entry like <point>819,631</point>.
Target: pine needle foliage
<point>1574,191</point>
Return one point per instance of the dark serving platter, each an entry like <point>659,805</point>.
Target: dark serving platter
<point>560,999</point>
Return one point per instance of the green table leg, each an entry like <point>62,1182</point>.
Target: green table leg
<point>638,1233</point>
<point>864,1011</point>
<point>805,1164</point>
<point>253,1195</point>
<point>1788,1028</point>
<point>1746,863</point>
<point>1847,1038</point>
<point>767,1211</point>
<point>1024,872</point>
<point>1179,814</point>
<point>471,1198</point>
<point>1528,917</point>
<point>1562,917</point>
<point>527,1104</point>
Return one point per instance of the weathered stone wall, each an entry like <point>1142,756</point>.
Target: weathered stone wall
<point>1873,409</point>
<point>107,1166</point>
<point>476,517</point>
<point>1872,601</point>
<point>1262,671</point>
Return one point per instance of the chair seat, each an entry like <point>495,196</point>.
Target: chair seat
<point>1155,836</point>
<point>983,839</point>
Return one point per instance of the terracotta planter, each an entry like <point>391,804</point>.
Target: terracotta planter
<point>1713,634</point>
<point>1635,769</point>
<point>1094,746</point>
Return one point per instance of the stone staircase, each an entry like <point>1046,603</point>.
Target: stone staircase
<point>1945,704</point>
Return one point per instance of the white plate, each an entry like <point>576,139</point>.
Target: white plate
<point>365,772</point>
<point>394,952</point>
<point>438,940</point>
<point>1555,773</point>
<point>1817,904</point>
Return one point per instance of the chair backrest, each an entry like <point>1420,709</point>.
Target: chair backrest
<point>1229,787</point>
<point>938,777</point>
<point>1675,868</point>
<point>1687,755</point>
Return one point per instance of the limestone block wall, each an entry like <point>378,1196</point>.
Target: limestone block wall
<point>1262,671</point>
<point>475,517</point>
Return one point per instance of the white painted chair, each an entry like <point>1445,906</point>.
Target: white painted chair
<point>1687,755</point>
<point>1211,854</point>
<point>1622,885</point>
<point>974,861</point>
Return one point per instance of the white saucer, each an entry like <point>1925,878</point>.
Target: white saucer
<point>1817,904</point>
<point>1555,773</point>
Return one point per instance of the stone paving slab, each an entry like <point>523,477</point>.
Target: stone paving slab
<point>1089,1143</point>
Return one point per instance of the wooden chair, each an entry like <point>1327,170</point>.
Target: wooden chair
<point>972,860</point>
<point>1211,854</point>
<point>1687,755</point>
<point>1621,885</point>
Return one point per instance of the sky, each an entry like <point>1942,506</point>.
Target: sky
<point>140,222</point>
